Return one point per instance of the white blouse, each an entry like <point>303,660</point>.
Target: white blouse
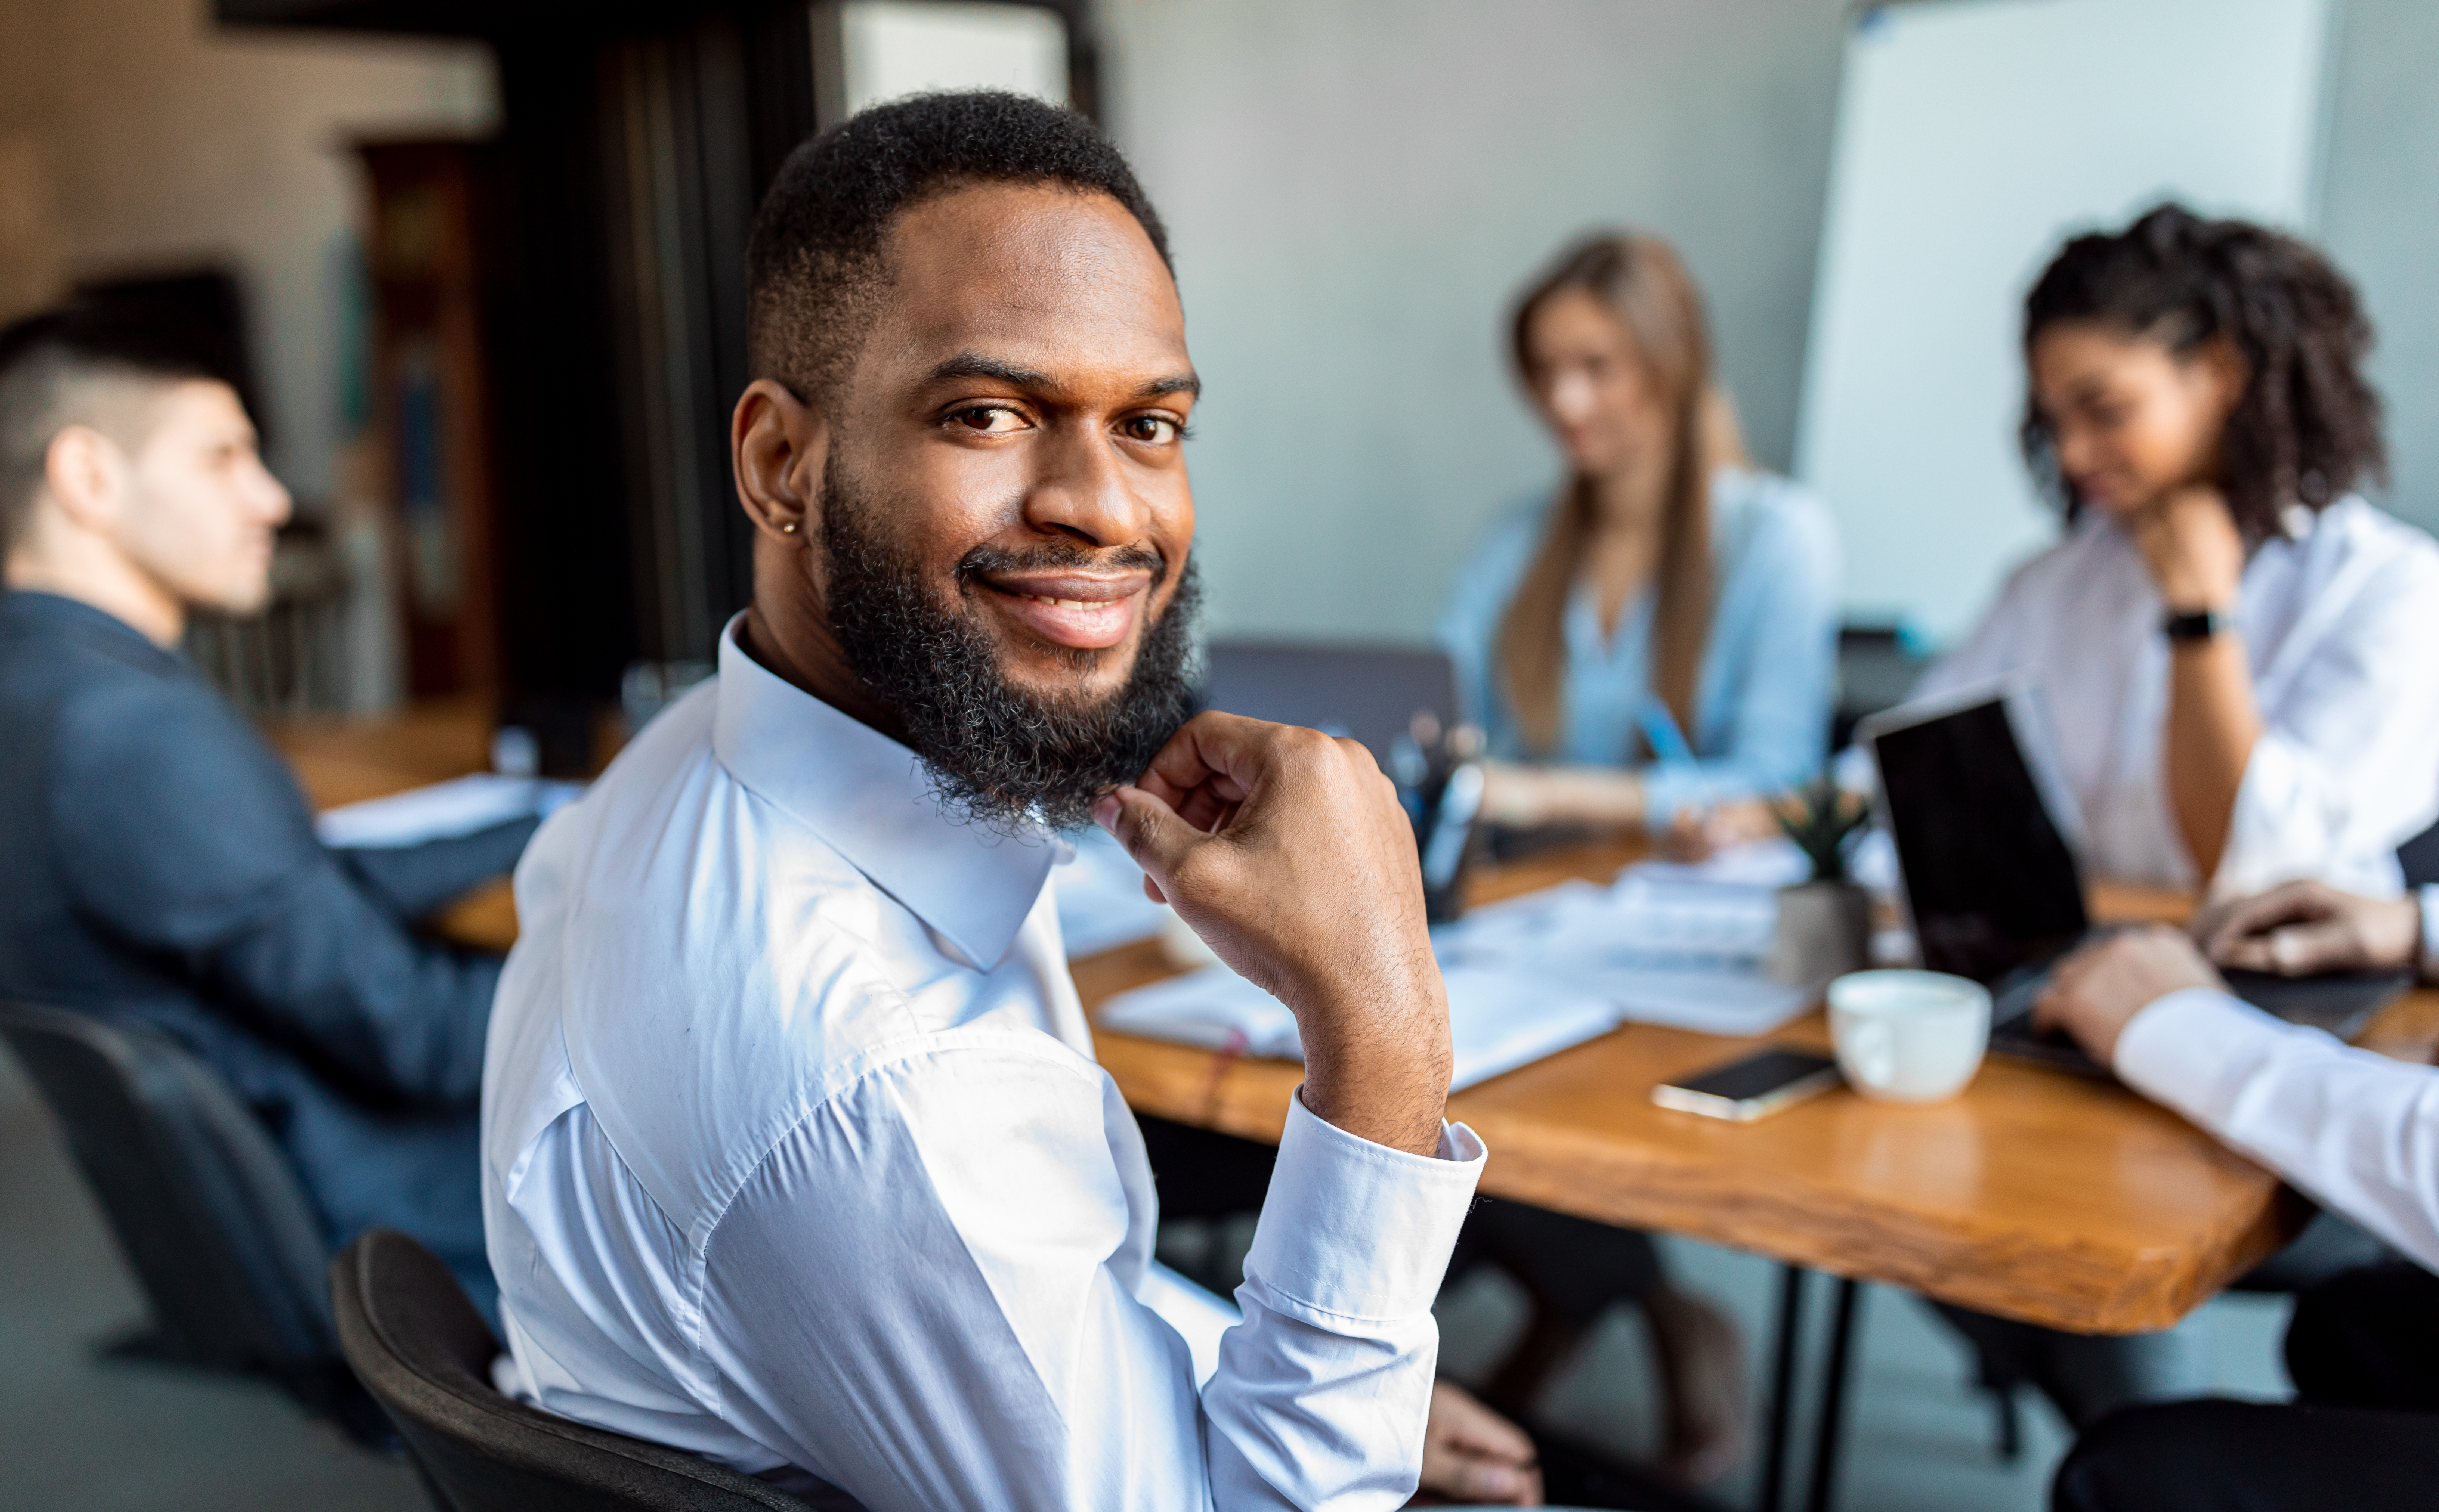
<point>2341,621</point>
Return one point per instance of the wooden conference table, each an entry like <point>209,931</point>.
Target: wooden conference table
<point>2034,1194</point>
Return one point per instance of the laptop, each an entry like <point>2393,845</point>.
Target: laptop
<point>1986,839</point>
<point>1378,695</point>
<point>1371,693</point>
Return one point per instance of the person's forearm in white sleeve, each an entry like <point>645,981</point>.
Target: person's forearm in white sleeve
<point>2357,1131</point>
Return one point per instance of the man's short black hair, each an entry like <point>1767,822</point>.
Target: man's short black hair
<point>51,362</point>
<point>816,259</point>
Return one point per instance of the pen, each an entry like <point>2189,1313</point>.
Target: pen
<point>1669,744</point>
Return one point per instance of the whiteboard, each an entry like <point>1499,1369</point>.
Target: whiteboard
<point>1972,137</point>
<point>896,47</point>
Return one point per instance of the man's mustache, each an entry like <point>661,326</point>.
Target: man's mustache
<point>1053,555</point>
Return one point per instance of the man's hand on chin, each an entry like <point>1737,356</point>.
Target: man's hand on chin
<point>2096,993</point>
<point>1287,852</point>
<point>1472,1454</point>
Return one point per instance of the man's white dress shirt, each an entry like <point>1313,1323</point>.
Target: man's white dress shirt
<point>2357,1131</point>
<point>2341,619</point>
<point>795,1155</point>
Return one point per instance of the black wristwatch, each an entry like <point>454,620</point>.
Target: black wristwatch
<point>2196,624</point>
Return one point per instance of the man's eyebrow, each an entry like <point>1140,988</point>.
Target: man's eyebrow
<point>1187,384</point>
<point>974,365</point>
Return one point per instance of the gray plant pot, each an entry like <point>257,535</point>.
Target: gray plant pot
<point>1824,930</point>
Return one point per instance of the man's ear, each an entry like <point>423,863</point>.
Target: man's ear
<point>776,445</point>
<point>85,473</point>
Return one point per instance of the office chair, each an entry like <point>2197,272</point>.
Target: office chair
<point>2419,857</point>
<point>426,1356</point>
<point>203,1208</point>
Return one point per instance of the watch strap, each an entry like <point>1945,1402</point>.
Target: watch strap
<point>2196,624</point>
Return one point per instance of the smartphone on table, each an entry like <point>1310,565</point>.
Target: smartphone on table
<point>1752,1086</point>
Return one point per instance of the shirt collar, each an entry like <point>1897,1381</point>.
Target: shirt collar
<point>870,800</point>
<point>36,612</point>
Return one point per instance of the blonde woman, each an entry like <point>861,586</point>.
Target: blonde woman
<point>1659,634</point>
<point>1654,640</point>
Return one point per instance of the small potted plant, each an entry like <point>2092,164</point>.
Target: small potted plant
<point>1825,925</point>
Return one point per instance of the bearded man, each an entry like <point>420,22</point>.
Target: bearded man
<point>796,1154</point>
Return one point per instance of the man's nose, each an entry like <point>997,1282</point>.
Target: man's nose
<point>272,496</point>
<point>1083,491</point>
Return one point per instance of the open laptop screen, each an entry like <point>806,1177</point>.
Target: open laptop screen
<point>1988,878</point>
<point>1369,692</point>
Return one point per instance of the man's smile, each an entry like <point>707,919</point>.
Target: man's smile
<point>1082,609</point>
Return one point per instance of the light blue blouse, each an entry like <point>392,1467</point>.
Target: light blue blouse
<point>1768,673</point>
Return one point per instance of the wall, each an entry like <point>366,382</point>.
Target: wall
<point>1972,139</point>
<point>163,140</point>
<point>2379,216</point>
<point>1356,191</point>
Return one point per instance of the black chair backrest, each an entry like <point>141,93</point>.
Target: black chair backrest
<point>206,1211</point>
<point>2419,857</point>
<point>425,1354</point>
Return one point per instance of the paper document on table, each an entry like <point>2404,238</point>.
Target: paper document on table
<point>1529,977</point>
<point>1740,1004</point>
<point>1682,954</point>
<point>1638,921</point>
<point>1773,862</point>
<point>442,810</point>
<point>1497,1019</point>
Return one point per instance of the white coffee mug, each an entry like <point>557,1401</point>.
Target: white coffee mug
<point>1910,1036</point>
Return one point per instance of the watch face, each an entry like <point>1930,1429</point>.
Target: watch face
<point>2200,625</point>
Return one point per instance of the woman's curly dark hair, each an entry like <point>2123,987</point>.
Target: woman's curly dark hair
<point>2309,426</point>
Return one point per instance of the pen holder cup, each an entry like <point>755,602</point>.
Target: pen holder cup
<point>1824,931</point>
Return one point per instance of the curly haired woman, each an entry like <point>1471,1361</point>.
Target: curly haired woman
<point>2240,656</point>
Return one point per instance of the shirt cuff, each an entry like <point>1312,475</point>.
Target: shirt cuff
<point>1357,1230</point>
<point>2430,952</point>
<point>2191,1050</point>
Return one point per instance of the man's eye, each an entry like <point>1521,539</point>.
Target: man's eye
<point>990,419</point>
<point>1156,430</point>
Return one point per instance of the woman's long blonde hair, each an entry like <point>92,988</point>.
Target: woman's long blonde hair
<point>1639,281</point>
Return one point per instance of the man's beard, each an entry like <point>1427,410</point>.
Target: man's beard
<point>999,756</point>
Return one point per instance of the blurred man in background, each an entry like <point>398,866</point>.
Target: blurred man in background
<point>162,864</point>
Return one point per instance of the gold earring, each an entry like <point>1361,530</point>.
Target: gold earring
<point>787,527</point>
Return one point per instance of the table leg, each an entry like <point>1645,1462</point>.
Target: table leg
<point>1833,1398</point>
<point>1782,1386</point>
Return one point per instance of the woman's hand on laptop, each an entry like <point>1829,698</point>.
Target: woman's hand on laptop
<point>2304,926</point>
<point>2096,993</point>
<point>1287,852</point>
